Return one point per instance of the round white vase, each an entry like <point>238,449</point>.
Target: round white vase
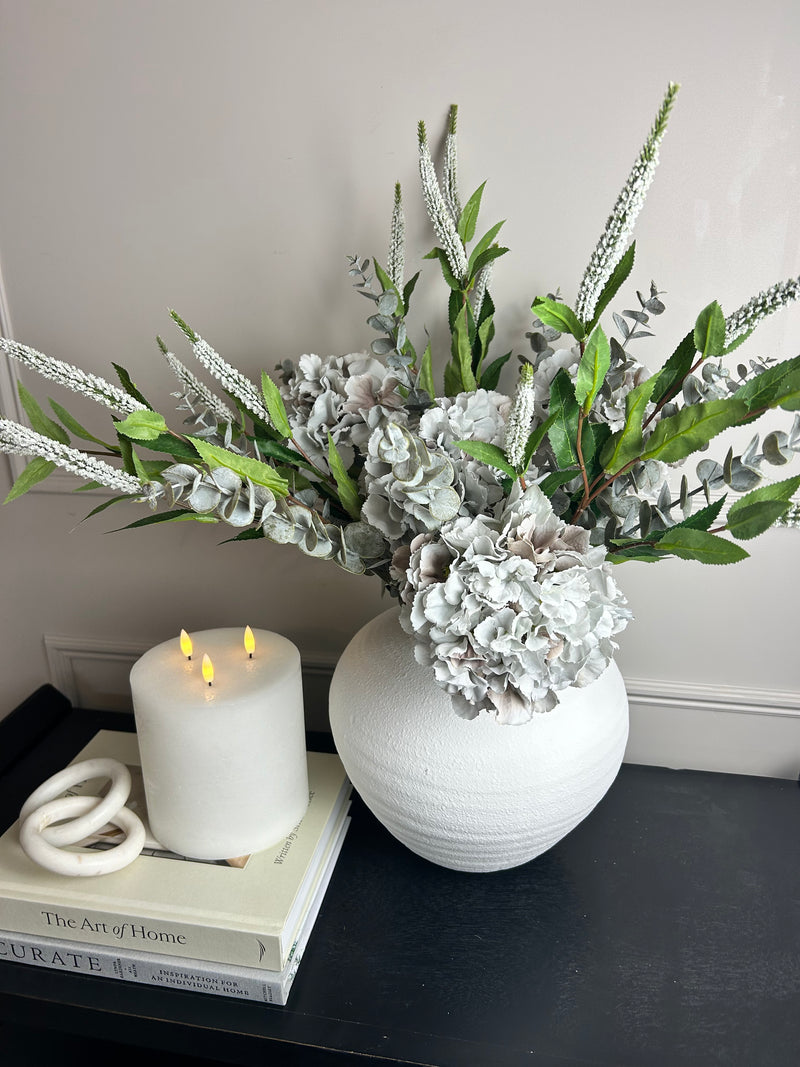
<point>471,795</point>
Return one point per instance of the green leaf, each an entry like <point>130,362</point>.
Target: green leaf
<point>702,519</point>
<point>491,455</point>
<point>469,215</point>
<point>252,533</point>
<point>752,520</point>
<point>275,450</point>
<point>107,504</point>
<point>740,340</point>
<point>75,427</point>
<point>141,471</point>
<point>488,256</point>
<point>42,423</point>
<point>485,337</point>
<point>244,466</point>
<point>348,490</point>
<point>676,437</point>
<point>275,405</point>
<point>425,379</point>
<point>173,446</point>
<point>408,290</point>
<point>36,471</point>
<point>482,245</point>
<point>618,278</point>
<point>669,379</point>
<point>592,369</point>
<point>178,515</point>
<point>142,426</point>
<point>594,438</point>
<point>631,549</point>
<point>490,375</point>
<point>449,277</point>
<point>128,386</point>
<point>553,481</point>
<point>558,316</point>
<point>535,439</point>
<point>564,410</point>
<point>774,387</point>
<point>462,351</point>
<point>699,545</point>
<point>626,445</point>
<point>709,331</point>
<point>755,512</point>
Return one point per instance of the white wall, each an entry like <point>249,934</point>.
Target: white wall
<point>222,158</point>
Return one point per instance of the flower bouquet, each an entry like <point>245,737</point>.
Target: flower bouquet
<point>495,521</point>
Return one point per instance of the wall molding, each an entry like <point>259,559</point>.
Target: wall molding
<point>692,725</point>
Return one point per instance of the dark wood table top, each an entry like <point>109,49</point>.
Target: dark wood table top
<point>664,931</point>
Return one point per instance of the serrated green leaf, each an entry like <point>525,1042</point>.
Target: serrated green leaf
<point>462,350</point>
<point>348,490</point>
<point>167,516</point>
<point>555,480</point>
<point>36,471</point>
<point>750,520</point>
<point>139,467</point>
<point>563,430</point>
<point>668,380</point>
<point>535,439</point>
<point>107,504</point>
<point>252,533</point>
<point>680,435</point>
<point>755,512</point>
<point>592,369</point>
<point>702,519</point>
<point>40,422</point>
<point>173,446</point>
<point>740,340</point>
<point>425,379</point>
<point>244,466</point>
<point>700,545</point>
<point>773,387</point>
<point>275,406</point>
<point>485,336</point>
<point>128,386</point>
<point>558,316</point>
<point>488,256</point>
<point>409,288</point>
<point>449,277</point>
<point>484,243</point>
<point>275,450</point>
<point>75,427</point>
<point>709,331</point>
<point>142,426</point>
<point>490,376</point>
<point>469,215</point>
<point>618,278</point>
<point>489,454</point>
<point>594,438</point>
<point>626,445</point>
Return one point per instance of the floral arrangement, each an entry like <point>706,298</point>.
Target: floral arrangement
<point>494,520</point>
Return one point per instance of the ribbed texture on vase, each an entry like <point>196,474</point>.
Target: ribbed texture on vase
<point>468,794</point>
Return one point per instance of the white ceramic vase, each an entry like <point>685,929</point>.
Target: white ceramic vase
<point>469,794</point>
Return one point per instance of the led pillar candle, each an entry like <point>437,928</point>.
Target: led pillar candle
<point>222,741</point>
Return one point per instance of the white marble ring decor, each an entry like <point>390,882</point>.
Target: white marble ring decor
<point>46,843</point>
<point>98,815</point>
<point>37,828</point>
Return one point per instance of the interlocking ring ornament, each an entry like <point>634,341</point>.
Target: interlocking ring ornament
<point>45,843</point>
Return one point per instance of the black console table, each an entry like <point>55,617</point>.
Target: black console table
<point>664,931</point>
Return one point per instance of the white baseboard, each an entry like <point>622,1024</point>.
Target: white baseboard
<point>673,724</point>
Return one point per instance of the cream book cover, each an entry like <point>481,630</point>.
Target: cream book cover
<point>246,914</point>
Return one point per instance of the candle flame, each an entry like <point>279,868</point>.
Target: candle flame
<point>208,669</point>
<point>186,644</point>
<point>249,641</point>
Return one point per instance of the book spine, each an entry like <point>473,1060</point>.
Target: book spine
<point>123,932</point>
<point>168,972</point>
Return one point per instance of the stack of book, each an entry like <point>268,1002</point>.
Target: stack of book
<point>237,928</point>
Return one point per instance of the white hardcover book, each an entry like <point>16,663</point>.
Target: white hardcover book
<point>247,913</point>
<point>176,972</point>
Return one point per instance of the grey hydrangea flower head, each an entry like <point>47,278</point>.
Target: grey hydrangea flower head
<point>510,609</point>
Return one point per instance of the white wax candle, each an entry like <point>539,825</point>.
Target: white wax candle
<point>224,765</point>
